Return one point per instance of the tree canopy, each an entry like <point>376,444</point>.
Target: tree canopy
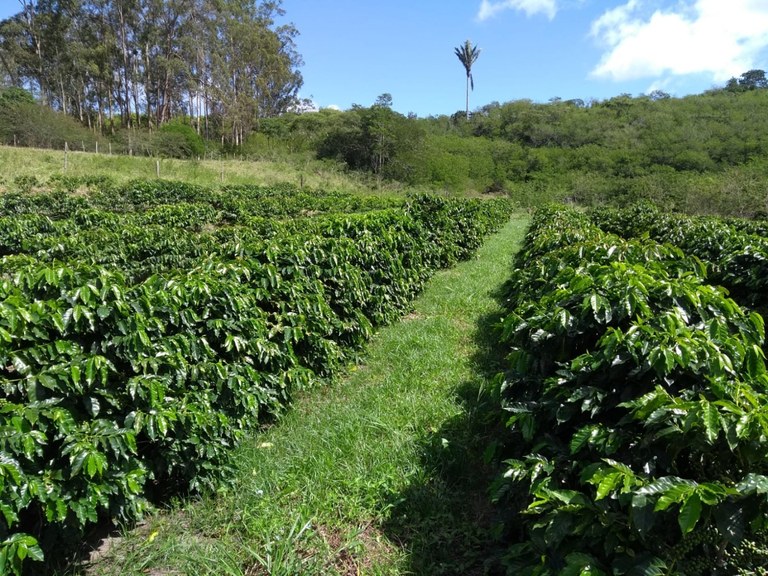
<point>225,63</point>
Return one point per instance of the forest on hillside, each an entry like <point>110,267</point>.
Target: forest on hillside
<point>700,153</point>
<point>703,153</point>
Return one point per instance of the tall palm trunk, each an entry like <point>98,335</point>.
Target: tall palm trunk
<point>467,111</point>
<point>468,55</point>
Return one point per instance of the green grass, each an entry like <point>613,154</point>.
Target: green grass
<point>297,169</point>
<point>380,473</point>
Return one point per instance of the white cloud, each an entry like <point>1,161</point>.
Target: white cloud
<point>489,8</point>
<point>303,105</point>
<point>715,37</point>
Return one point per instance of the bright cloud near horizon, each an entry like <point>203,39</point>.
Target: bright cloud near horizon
<point>530,49</point>
<point>660,40</point>
<point>722,39</point>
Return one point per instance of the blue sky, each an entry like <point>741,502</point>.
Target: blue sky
<point>535,49</point>
<point>355,50</point>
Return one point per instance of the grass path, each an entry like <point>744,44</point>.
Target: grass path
<point>381,473</point>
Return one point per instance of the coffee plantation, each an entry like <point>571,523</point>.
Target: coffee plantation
<point>145,330</point>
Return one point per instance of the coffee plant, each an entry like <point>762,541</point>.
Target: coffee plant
<point>736,251</point>
<point>636,397</point>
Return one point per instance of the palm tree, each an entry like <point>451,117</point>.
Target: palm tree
<point>468,55</point>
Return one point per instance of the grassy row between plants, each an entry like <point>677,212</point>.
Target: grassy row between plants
<point>380,474</point>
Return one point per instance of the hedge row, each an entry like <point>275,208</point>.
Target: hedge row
<point>637,403</point>
<point>736,252</point>
<point>64,196</point>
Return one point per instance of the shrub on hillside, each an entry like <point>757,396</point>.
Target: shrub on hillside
<point>26,123</point>
<point>177,139</point>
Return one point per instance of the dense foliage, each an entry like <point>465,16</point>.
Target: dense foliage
<point>374,139</point>
<point>137,346</point>
<point>24,122</point>
<point>736,251</point>
<point>703,153</point>
<point>144,62</point>
<point>636,395</point>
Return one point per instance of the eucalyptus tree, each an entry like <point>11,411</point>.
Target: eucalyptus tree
<point>149,61</point>
<point>253,65</point>
<point>21,43</point>
<point>166,64</point>
<point>102,68</point>
<point>12,52</point>
<point>468,55</point>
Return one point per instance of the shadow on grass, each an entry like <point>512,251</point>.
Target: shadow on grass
<point>446,520</point>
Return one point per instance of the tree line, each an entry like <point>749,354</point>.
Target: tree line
<point>224,64</point>
<point>701,153</point>
<point>623,135</point>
